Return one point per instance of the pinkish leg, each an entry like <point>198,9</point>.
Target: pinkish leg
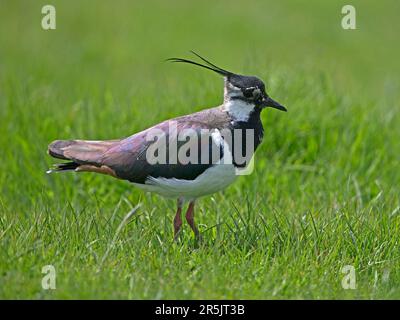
<point>190,219</point>
<point>178,219</point>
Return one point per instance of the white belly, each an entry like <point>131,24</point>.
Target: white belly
<point>210,181</point>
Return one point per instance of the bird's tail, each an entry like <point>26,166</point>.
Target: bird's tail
<point>83,155</point>
<point>66,166</point>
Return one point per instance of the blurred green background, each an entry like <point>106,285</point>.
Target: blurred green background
<point>325,190</point>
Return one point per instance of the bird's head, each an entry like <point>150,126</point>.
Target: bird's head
<point>247,89</point>
<point>250,90</point>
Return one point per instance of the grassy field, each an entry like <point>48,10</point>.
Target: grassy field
<point>325,192</point>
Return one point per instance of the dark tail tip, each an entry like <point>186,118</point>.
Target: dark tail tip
<point>66,166</point>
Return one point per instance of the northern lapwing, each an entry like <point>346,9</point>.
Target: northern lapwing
<point>212,165</point>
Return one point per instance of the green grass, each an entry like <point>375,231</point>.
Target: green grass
<point>325,191</point>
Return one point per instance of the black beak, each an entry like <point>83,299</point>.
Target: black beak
<point>268,102</point>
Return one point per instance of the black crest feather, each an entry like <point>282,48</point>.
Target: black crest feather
<point>209,65</point>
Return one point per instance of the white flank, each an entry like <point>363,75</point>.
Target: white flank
<point>214,179</point>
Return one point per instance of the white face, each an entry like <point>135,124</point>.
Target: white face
<point>235,103</point>
<point>230,91</point>
<point>238,109</point>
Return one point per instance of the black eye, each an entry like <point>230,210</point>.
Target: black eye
<point>248,92</point>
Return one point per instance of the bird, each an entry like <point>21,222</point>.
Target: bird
<point>184,158</point>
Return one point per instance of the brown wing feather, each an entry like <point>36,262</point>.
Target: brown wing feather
<point>80,151</point>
